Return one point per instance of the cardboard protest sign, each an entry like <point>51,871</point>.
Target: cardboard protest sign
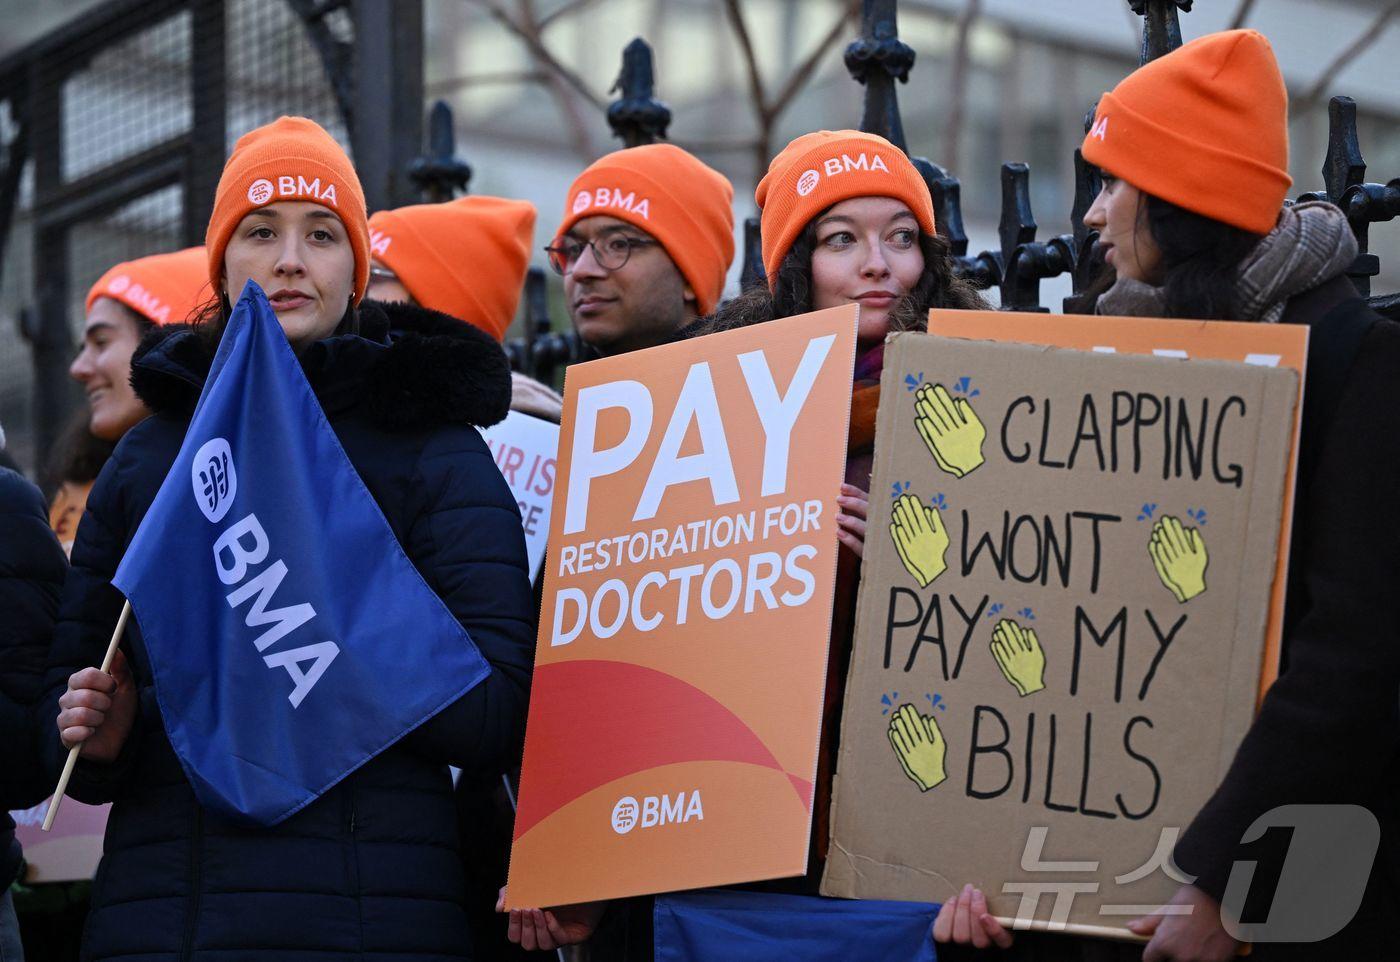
<point>676,703</point>
<point>1268,345</point>
<point>1061,619</point>
<point>70,851</point>
<point>524,448</point>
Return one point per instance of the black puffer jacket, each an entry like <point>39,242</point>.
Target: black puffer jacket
<point>370,870</point>
<point>32,567</point>
<point>1328,732</point>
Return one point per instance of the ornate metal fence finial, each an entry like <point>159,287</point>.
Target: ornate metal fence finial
<point>751,272</point>
<point>877,59</point>
<point>1024,261</point>
<point>1343,166</point>
<point>1161,30</point>
<point>637,116</point>
<point>1344,172</point>
<point>439,173</point>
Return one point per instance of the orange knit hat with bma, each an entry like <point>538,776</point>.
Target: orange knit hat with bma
<point>1204,127</point>
<point>290,159</point>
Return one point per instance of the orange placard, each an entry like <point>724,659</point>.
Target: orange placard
<point>1270,345</point>
<point>676,703</point>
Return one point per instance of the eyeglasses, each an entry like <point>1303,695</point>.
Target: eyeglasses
<point>382,274</point>
<point>610,251</point>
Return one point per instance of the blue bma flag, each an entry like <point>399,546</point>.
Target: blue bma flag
<point>740,926</point>
<point>302,641</point>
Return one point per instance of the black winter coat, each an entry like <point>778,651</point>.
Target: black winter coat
<point>370,870</point>
<point>1328,731</point>
<point>32,568</point>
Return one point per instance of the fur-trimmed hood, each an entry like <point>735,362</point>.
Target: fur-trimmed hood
<point>409,368</point>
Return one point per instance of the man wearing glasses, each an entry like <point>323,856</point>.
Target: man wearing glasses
<point>646,241</point>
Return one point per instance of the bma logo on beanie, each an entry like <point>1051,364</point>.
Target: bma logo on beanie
<point>379,243</point>
<point>841,164</point>
<point>139,298</point>
<point>845,163</point>
<point>262,190</point>
<point>613,197</point>
<point>1100,128</point>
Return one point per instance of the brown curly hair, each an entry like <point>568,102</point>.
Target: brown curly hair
<point>792,290</point>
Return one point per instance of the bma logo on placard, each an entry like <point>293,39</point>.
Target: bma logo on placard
<point>214,479</point>
<point>624,815</point>
<point>656,811</point>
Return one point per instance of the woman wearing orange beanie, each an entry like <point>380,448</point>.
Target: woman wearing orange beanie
<point>126,302</point>
<point>466,258</point>
<point>847,219</point>
<point>371,867</point>
<point>122,306</point>
<point>1194,150</point>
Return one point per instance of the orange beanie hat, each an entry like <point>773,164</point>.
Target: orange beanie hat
<point>1204,127</point>
<point>466,258</point>
<point>824,168</point>
<point>292,158</point>
<point>162,288</point>
<point>675,198</point>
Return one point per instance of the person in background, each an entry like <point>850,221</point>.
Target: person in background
<point>467,259</point>
<point>1194,153</point>
<point>32,570</point>
<point>128,301</point>
<point>644,247</point>
<point>646,241</point>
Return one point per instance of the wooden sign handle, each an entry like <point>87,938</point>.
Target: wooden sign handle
<point>1095,931</point>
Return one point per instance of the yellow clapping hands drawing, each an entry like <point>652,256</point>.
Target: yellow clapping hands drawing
<point>919,746</point>
<point>1019,656</point>
<point>920,537</point>
<point>1179,555</point>
<point>951,429</point>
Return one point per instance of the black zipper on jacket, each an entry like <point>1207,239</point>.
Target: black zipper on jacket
<point>196,881</point>
<point>353,859</point>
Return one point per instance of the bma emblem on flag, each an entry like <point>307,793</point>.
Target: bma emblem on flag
<point>214,479</point>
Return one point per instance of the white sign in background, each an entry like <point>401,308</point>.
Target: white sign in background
<point>524,448</point>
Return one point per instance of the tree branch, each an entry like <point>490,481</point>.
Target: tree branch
<point>741,30</point>
<point>957,94</point>
<point>503,77</point>
<point>1241,14</point>
<point>574,6</point>
<point>804,70</point>
<point>1358,46</point>
<point>528,33</point>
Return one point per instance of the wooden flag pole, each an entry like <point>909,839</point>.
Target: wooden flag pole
<point>73,752</point>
